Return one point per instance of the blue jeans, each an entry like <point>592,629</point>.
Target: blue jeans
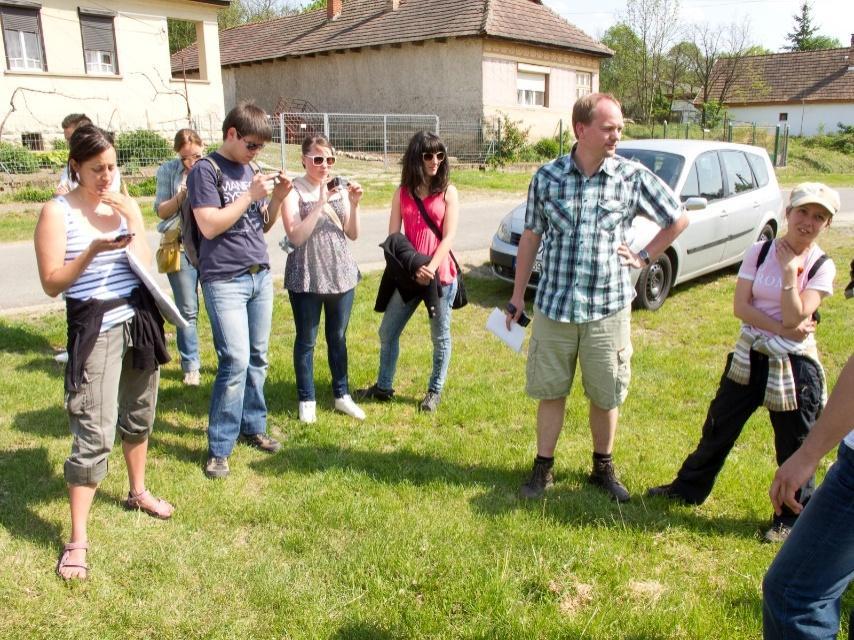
<point>803,586</point>
<point>185,288</point>
<point>306,308</point>
<point>396,315</point>
<point>241,313</point>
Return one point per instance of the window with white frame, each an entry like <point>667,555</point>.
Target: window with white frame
<point>583,83</point>
<point>22,36</point>
<point>99,41</point>
<point>532,85</point>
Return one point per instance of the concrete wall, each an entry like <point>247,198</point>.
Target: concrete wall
<point>804,119</point>
<point>442,78</point>
<point>141,95</point>
<point>500,63</point>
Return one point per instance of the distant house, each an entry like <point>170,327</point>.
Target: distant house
<point>809,90</point>
<point>109,60</point>
<point>459,59</point>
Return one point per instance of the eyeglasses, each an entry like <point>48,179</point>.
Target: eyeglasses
<point>428,157</point>
<point>194,157</point>
<point>318,161</point>
<point>252,146</point>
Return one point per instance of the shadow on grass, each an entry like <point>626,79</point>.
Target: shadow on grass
<point>572,501</point>
<point>27,478</point>
<point>363,631</point>
<point>50,422</point>
<point>21,339</point>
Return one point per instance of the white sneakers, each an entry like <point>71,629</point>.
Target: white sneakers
<point>307,411</point>
<point>345,405</point>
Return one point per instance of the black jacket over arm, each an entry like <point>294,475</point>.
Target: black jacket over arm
<point>402,262</point>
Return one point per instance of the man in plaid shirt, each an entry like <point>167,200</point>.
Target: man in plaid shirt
<point>581,207</point>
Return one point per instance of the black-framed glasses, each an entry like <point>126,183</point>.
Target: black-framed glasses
<point>252,146</point>
<point>428,157</point>
<point>319,160</point>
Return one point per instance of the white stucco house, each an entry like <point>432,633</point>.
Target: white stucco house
<point>811,91</point>
<point>107,60</point>
<point>458,59</point>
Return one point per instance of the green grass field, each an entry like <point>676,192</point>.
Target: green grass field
<point>406,525</point>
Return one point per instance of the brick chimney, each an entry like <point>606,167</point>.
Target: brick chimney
<point>851,54</point>
<point>392,5</point>
<point>333,9</point>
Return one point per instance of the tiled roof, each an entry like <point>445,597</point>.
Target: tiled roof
<point>808,76</point>
<point>365,23</point>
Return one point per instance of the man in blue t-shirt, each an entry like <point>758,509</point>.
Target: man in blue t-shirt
<point>234,270</point>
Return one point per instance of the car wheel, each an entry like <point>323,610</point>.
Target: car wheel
<point>654,284</point>
<point>767,233</point>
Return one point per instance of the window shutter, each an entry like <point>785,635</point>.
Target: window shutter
<point>26,20</point>
<point>97,33</point>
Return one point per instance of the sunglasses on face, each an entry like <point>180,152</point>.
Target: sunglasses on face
<point>318,161</point>
<point>428,157</point>
<point>252,146</point>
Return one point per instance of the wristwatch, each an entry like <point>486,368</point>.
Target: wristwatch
<point>643,254</point>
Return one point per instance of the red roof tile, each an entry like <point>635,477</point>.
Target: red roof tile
<point>801,76</point>
<point>364,23</point>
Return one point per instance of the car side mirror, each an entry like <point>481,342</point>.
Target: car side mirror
<point>696,204</point>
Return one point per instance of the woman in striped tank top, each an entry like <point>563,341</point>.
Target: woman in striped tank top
<point>81,241</point>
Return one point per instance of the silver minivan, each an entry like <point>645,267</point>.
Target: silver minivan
<point>730,194</point>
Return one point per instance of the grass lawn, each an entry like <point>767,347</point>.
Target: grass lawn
<point>406,525</point>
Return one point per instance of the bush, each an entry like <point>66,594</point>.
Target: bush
<point>842,140</point>
<point>60,144</point>
<point>547,148</point>
<point>15,159</point>
<point>142,148</point>
<point>32,194</point>
<point>511,143</point>
<point>142,188</point>
<point>51,159</point>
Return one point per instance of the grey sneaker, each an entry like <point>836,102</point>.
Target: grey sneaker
<point>216,467</point>
<point>777,534</point>
<point>260,441</point>
<point>540,480</point>
<point>430,402</point>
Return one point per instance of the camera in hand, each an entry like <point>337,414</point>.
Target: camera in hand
<point>523,320</point>
<point>337,183</point>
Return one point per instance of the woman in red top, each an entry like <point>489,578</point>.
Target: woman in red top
<point>425,176</point>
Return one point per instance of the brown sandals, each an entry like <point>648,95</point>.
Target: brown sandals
<point>63,563</point>
<point>155,507</point>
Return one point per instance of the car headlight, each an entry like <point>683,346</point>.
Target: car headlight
<point>504,231</point>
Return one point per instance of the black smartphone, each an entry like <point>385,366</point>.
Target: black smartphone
<point>123,236</point>
<point>336,183</point>
<point>523,320</point>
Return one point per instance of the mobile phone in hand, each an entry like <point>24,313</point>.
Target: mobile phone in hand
<point>523,320</point>
<point>123,236</point>
<point>336,183</point>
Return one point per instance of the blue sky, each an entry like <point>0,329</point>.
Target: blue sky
<point>770,20</point>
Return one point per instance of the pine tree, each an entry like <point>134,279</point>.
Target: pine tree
<point>804,29</point>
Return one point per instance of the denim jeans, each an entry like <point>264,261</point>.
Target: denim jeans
<point>804,585</point>
<point>396,315</point>
<point>241,312</point>
<point>306,308</point>
<point>185,288</point>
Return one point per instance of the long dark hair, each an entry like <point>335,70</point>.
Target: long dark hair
<point>86,142</point>
<point>412,176</point>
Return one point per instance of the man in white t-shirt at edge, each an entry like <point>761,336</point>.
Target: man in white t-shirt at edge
<point>66,184</point>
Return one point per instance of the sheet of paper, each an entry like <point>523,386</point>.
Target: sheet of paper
<point>167,308</point>
<point>497,325</point>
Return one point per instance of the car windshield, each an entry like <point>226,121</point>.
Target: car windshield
<point>667,166</point>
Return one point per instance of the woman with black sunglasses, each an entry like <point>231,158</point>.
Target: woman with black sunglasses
<point>321,273</point>
<point>424,181</point>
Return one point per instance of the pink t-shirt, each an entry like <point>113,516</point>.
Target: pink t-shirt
<point>420,235</point>
<point>768,280</point>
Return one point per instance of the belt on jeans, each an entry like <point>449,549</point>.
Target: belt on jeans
<point>255,268</point>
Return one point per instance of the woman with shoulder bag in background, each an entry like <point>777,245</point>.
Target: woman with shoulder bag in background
<point>171,259</point>
<point>321,274</point>
<point>424,184</point>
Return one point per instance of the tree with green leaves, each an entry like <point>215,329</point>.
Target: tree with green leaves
<point>805,36</point>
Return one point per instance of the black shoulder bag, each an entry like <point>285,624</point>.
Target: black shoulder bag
<point>461,299</point>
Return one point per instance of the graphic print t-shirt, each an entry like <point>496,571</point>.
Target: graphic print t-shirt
<point>240,247</point>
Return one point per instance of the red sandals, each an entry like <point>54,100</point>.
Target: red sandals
<point>155,507</point>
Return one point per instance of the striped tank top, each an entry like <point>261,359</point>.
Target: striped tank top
<point>107,277</point>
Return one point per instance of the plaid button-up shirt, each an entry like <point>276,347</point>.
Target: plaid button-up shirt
<point>582,221</point>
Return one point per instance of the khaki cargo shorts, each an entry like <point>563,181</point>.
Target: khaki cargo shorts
<point>603,347</point>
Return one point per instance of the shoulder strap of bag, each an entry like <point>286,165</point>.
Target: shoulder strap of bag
<point>433,226</point>
<point>816,266</point>
<point>763,252</point>
<point>218,171</point>
<point>766,246</point>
